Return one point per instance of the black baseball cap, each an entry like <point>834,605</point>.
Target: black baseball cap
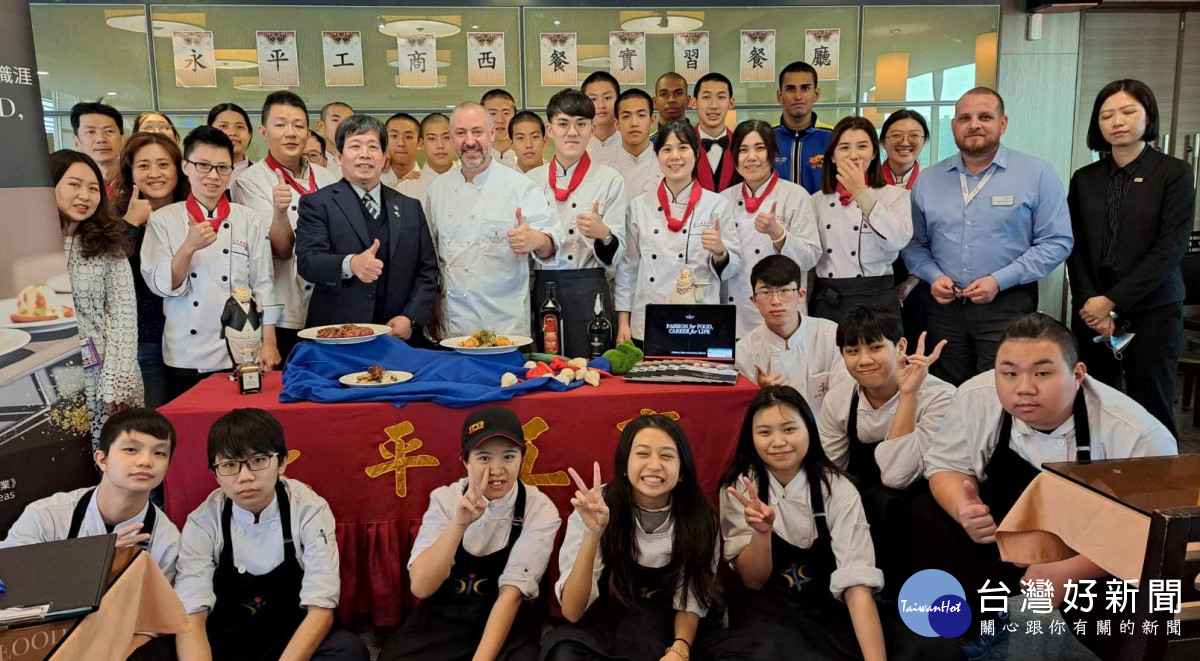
<point>488,423</point>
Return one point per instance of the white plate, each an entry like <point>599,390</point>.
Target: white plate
<point>60,283</point>
<point>311,334</point>
<point>352,379</point>
<point>12,339</point>
<point>518,341</point>
<point>8,307</point>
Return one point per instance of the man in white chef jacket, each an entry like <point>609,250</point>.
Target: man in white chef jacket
<point>634,158</point>
<point>273,187</point>
<point>487,220</point>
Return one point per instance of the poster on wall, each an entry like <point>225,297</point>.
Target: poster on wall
<point>277,59</point>
<point>627,57</point>
<point>195,62</point>
<point>485,59</point>
<point>416,55</point>
<point>822,49</point>
<point>691,55</point>
<point>560,66</point>
<point>757,56</point>
<point>342,51</point>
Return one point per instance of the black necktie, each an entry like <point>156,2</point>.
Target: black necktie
<point>722,142</point>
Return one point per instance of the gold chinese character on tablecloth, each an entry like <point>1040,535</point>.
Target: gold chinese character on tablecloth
<point>669,414</point>
<point>532,430</point>
<point>396,451</point>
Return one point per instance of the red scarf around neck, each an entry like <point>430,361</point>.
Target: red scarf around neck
<point>274,165</point>
<point>676,224</point>
<point>199,214</point>
<point>890,178</point>
<point>581,168</point>
<point>753,203</point>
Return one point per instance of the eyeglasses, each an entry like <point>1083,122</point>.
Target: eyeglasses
<point>786,294</point>
<point>897,136</point>
<point>204,168</point>
<point>256,463</point>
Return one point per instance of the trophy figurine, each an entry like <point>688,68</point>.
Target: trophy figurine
<point>242,328</point>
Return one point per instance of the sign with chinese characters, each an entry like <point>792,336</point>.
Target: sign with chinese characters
<point>691,55</point>
<point>343,58</point>
<point>195,63</point>
<point>757,56</point>
<point>485,59</point>
<point>560,66</point>
<point>277,60</point>
<point>627,57</point>
<point>416,55</point>
<point>822,49</point>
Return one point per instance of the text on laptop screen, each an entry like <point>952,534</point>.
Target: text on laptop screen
<point>702,332</point>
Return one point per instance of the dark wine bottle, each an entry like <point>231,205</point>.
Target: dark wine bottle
<point>550,325</point>
<point>599,330</point>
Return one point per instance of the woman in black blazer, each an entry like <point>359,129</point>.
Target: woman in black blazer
<point>1131,212</point>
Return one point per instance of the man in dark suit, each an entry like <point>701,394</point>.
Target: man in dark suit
<point>365,247</point>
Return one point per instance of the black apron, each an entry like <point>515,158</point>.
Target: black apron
<point>449,624</point>
<point>80,511</point>
<point>834,298</point>
<point>256,616</point>
<point>576,292</point>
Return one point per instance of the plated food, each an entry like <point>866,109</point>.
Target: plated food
<point>486,342</point>
<point>344,333</point>
<point>38,308</point>
<point>345,330</point>
<point>485,338</point>
<point>375,375</point>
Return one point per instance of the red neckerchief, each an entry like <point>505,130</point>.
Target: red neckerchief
<point>753,203</point>
<point>676,224</point>
<point>287,176</point>
<point>705,174</point>
<point>581,169</point>
<point>199,214</point>
<point>890,178</point>
<point>844,195</point>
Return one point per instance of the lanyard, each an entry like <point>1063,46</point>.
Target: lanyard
<point>969,195</point>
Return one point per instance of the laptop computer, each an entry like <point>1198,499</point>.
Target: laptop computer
<point>688,344</point>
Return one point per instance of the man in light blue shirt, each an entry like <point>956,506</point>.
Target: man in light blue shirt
<point>988,223</point>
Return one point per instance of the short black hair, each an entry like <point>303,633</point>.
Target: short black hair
<point>1141,93</point>
<point>865,324</point>
<point>799,66</point>
<point>497,93</point>
<point>360,125</point>
<point>982,91</point>
<point>526,116</point>
<point>207,135</point>
<point>713,77</point>
<point>325,108</point>
<point>601,77</point>
<point>316,135</point>
<point>904,113</point>
<point>763,130</point>
<point>243,433</point>
<point>671,75</point>
<point>225,107</point>
<point>572,103</point>
<point>95,108</point>
<point>431,118</point>
<point>1041,326</point>
<point>406,117</point>
<point>633,93</point>
<point>776,271</point>
<point>145,421</point>
<point>282,98</point>
<point>683,130</point>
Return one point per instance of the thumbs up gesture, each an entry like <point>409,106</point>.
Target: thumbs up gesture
<point>975,517</point>
<point>711,240</point>
<point>591,225</point>
<point>767,223</point>
<point>139,208</point>
<point>523,239</point>
<point>366,266</point>
<point>281,194</point>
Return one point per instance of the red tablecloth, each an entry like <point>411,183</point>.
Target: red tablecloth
<point>376,464</point>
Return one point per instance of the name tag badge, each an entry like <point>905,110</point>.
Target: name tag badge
<point>818,385</point>
<point>1002,200</point>
<point>91,357</point>
<point>1137,180</point>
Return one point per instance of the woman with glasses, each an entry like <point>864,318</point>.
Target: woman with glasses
<point>195,254</point>
<point>153,122</point>
<point>863,222</point>
<point>235,122</point>
<point>905,133</point>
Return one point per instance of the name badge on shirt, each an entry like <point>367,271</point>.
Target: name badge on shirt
<point>91,357</point>
<point>818,385</point>
<point>1002,200</point>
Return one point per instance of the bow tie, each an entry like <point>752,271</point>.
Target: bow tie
<point>722,142</point>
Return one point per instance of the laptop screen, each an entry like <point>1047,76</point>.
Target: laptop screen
<point>696,332</point>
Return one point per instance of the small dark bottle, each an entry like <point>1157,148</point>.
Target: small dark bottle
<point>599,331</point>
<point>550,325</point>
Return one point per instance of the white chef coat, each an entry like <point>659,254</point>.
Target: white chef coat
<point>485,285</point>
<point>417,189</point>
<point>1119,428</point>
<point>654,255</point>
<point>641,173</point>
<point>653,551</point>
<point>238,168</point>
<point>509,157</point>
<point>241,255</point>
<point>809,360</point>
<point>802,242</point>
<point>902,459</point>
<point>601,184</point>
<point>255,189</point>
<point>603,151</point>
<point>49,520</point>
<point>258,547</point>
<point>389,178</point>
<point>331,164</point>
<point>843,233</point>
<point>530,554</point>
<point>849,533</point>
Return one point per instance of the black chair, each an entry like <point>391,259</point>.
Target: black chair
<point>1168,557</point>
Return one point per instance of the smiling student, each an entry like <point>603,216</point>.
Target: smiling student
<point>715,167</point>
<point>484,544</point>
